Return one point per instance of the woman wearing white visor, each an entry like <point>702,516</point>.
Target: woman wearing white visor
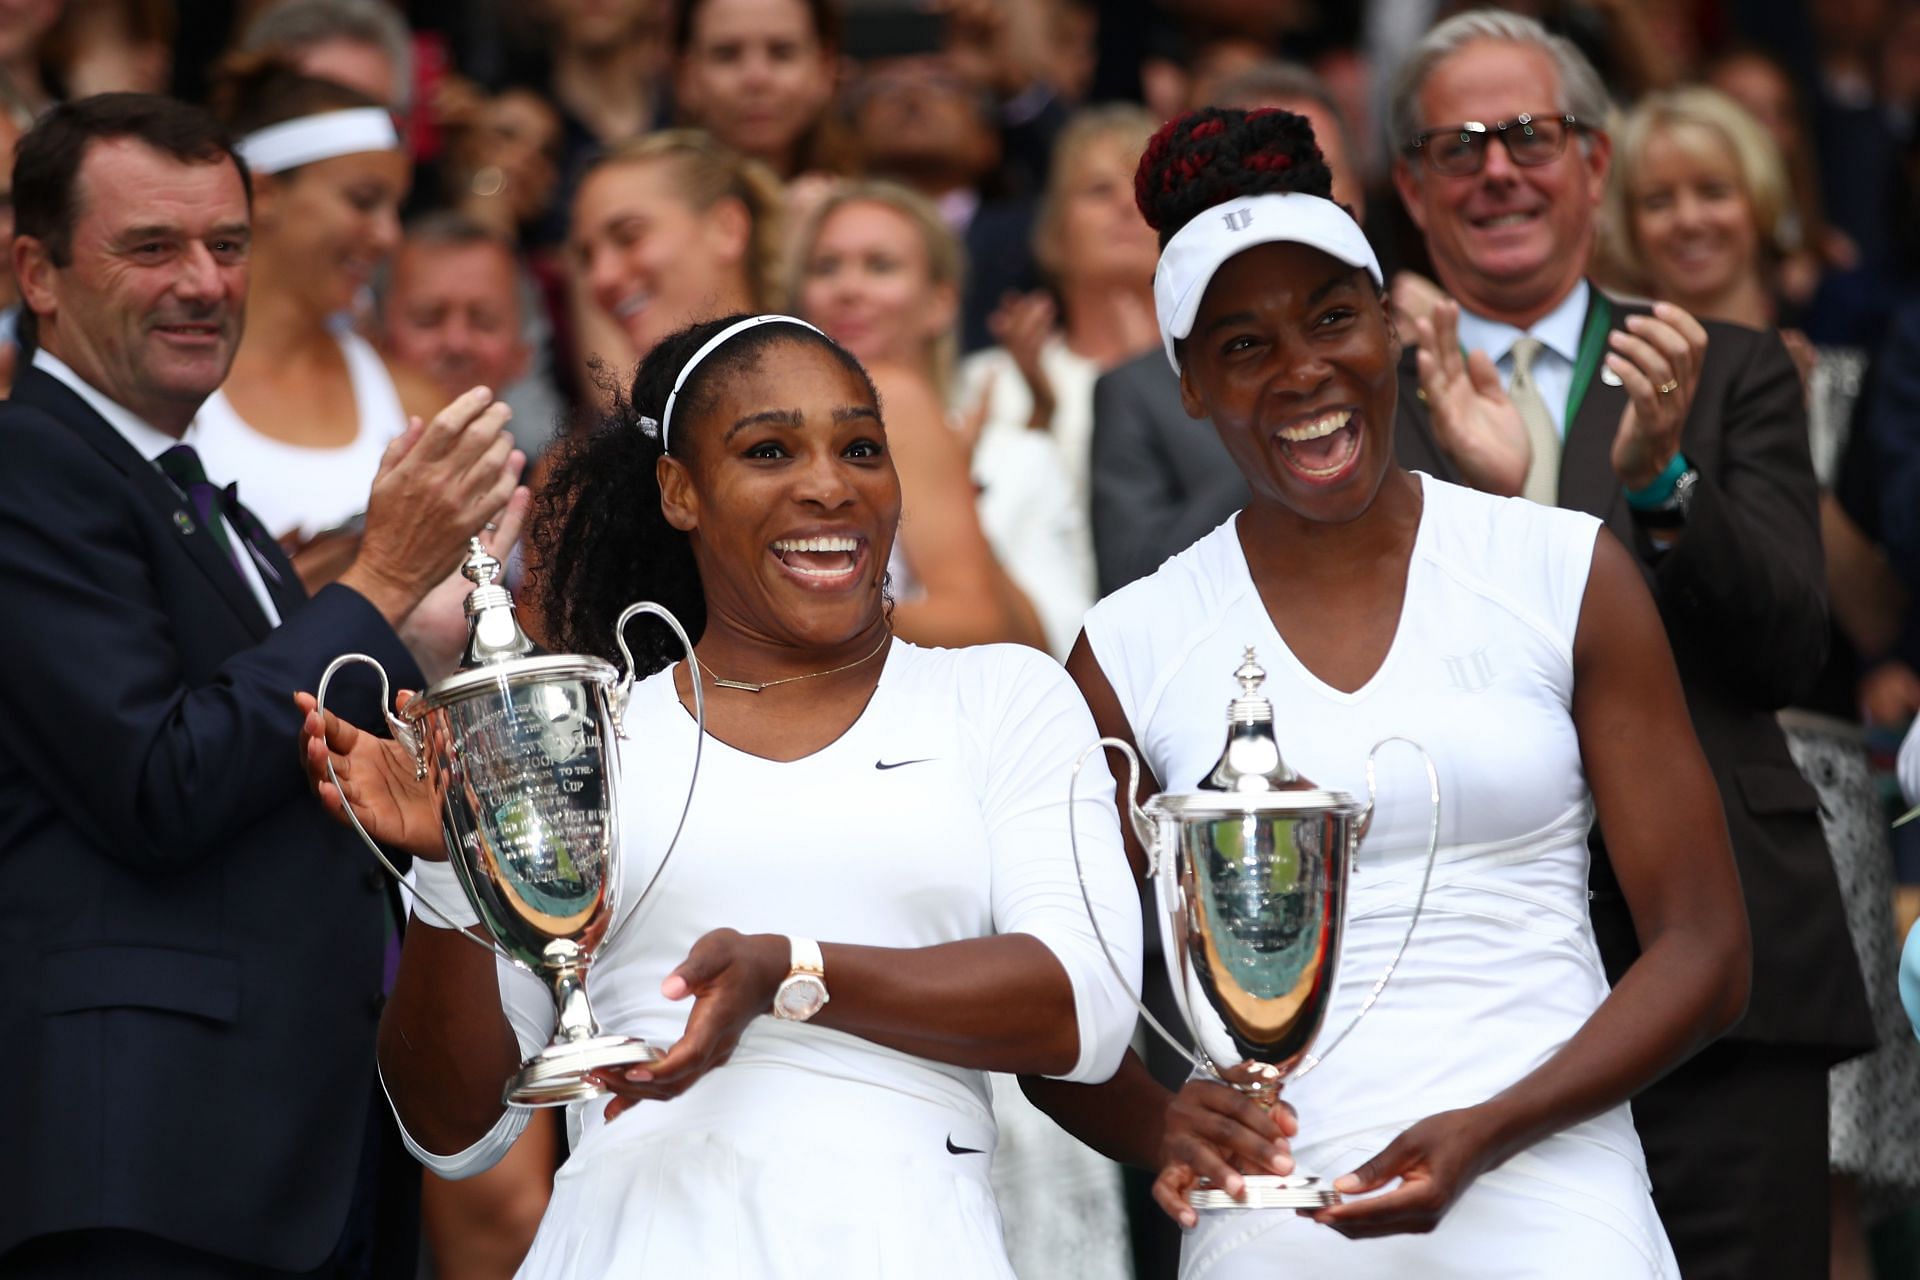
<point>309,406</point>
<point>1476,1119</point>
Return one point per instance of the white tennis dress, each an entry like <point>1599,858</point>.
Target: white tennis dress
<point>1503,968</point>
<point>939,815</point>
<point>295,488</point>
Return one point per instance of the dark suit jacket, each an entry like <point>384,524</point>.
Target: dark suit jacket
<point>193,950</point>
<point>1160,480</point>
<point>1743,596</point>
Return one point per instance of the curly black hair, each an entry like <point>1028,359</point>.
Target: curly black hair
<point>598,537</point>
<point>1216,154</point>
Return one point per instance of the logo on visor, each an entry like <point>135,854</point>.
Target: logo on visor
<point>1238,219</point>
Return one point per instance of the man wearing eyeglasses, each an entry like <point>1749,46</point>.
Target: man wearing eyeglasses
<point>1689,440</point>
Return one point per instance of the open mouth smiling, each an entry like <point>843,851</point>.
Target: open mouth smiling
<point>1322,447</point>
<point>822,560</point>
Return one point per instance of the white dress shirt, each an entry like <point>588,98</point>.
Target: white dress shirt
<point>1559,333</point>
<point>150,442</point>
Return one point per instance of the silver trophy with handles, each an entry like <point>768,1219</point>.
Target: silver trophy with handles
<point>519,748</point>
<point>1250,878</point>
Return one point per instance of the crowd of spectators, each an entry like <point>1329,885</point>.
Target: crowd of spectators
<point>947,190</point>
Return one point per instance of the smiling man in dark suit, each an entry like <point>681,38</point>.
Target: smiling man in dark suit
<point>193,949</point>
<point>1689,440</point>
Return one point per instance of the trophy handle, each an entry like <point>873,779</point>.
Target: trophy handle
<point>1144,828</point>
<point>403,734</point>
<point>617,702</point>
<point>1360,830</point>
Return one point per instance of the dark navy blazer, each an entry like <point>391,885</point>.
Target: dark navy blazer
<point>192,949</point>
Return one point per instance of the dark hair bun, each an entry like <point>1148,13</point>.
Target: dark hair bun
<point>1216,154</point>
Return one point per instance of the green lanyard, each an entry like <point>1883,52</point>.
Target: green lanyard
<point>1593,345</point>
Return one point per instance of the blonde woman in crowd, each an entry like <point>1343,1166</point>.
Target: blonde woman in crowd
<point>669,229</point>
<point>878,269</point>
<point>875,269</point>
<point>328,179</point>
<point>1696,203</point>
<point>1098,255</point>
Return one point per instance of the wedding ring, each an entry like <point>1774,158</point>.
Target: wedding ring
<point>1667,389</point>
<point>491,527</point>
<point>488,180</point>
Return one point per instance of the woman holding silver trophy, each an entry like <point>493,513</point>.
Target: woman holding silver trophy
<point>1477,1116</point>
<point>875,857</point>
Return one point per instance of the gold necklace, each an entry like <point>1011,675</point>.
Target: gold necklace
<point>747,686</point>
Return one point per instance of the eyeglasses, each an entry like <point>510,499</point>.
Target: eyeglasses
<point>1460,150</point>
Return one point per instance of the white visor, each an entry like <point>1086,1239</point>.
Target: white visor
<point>1197,249</point>
<point>292,143</point>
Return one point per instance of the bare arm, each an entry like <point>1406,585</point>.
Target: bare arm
<point>968,597</point>
<point>445,1044</point>
<point>1667,836</point>
<point>996,1004</point>
<point>1869,600</point>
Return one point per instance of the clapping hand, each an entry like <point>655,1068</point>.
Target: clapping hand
<point>438,483</point>
<point>435,633</point>
<point>1474,422</point>
<point>732,978</point>
<point>1022,324</point>
<point>1657,358</point>
<point>1215,1132</point>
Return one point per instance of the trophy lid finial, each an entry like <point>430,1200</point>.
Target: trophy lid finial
<point>480,567</point>
<point>493,629</point>
<point>1251,760</point>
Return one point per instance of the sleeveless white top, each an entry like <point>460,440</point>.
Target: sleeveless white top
<point>294,488</point>
<point>1503,968</point>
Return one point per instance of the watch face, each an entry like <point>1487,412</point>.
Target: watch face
<point>800,997</point>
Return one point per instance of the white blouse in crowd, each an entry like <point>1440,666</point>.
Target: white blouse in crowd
<point>1034,507</point>
<point>294,488</point>
<point>939,815</point>
<point>1503,968</point>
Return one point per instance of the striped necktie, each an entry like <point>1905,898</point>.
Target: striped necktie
<point>1543,474</point>
<point>181,464</point>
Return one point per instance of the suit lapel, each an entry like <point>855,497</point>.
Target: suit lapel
<point>1587,481</point>
<point>45,392</point>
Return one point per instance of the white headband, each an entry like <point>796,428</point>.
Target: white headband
<point>706,349</point>
<point>1198,249</point>
<point>292,143</point>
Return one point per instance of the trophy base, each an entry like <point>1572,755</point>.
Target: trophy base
<point>559,1073</point>
<point>1268,1191</point>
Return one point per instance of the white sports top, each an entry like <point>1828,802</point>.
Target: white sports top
<point>1503,968</point>
<point>939,815</point>
<point>293,487</point>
